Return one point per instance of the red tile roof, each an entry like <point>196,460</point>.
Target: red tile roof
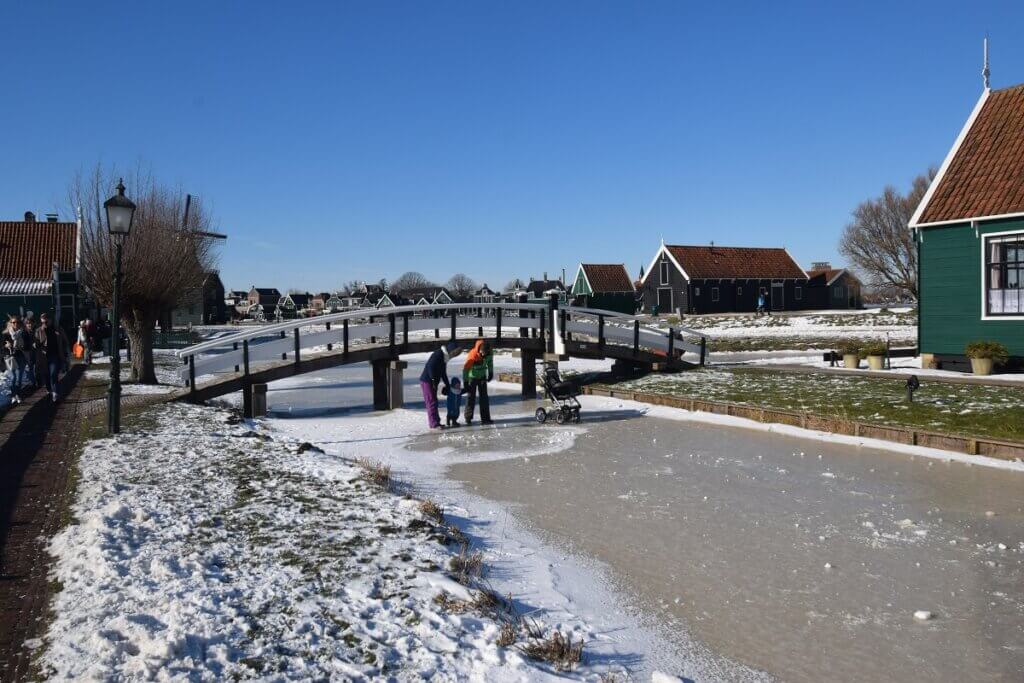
<point>986,175</point>
<point>607,277</point>
<point>29,250</point>
<point>755,263</point>
<point>829,274</point>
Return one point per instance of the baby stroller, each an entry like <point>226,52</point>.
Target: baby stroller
<point>562,395</point>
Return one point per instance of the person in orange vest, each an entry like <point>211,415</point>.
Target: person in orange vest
<point>476,373</point>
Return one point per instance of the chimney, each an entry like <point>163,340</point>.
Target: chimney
<point>51,218</point>
<point>821,265</point>
<point>30,217</point>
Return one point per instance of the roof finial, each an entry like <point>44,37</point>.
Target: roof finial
<point>985,70</point>
<point>662,240</point>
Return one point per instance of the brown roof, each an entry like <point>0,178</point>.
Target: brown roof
<point>29,250</point>
<point>714,262</point>
<point>829,274</point>
<point>607,277</point>
<point>986,175</point>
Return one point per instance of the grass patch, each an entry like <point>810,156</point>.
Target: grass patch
<point>375,472</point>
<point>467,566</point>
<point>560,651</point>
<point>971,409</point>
<point>432,510</point>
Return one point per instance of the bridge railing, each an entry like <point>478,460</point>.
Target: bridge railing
<point>619,329</point>
<point>393,326</point>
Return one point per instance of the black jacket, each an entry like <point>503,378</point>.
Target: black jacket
<point>436,369</point>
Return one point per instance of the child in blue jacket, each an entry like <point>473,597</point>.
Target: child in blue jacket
<point>454,402</point>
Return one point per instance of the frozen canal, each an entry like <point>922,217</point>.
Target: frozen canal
<point>797,557</point>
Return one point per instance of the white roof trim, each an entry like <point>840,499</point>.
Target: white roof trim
<point>999,216</point>
<point>654,261</point>
<point>586,279</point>
<point>914,220</point>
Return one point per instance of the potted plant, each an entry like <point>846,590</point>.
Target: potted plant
<point>985,355</point>
<point>875,352</point>
<point>850,351</point>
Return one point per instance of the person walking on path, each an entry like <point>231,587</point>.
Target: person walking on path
<point>17,343</point>
<point>435,372</point>
<point>85,341</point>
<point>476,373</point>
<point>52,344</point>
<point>31,353</point>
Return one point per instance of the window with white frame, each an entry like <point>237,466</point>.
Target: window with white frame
<point>798,293</point>
<point>714,293</point>
<point>664,271</point>
<point>1004,274</point>
<point>739,290</point>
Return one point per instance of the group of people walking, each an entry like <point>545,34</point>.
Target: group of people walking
<point>477,371</point>
<point>35,354</point>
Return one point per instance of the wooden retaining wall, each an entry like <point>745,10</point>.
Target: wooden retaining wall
<point>972,445</point>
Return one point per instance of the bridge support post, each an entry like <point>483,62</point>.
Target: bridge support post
<point>528,372</point>
<point>246,383</point>
<point>259,400</point>
<point>379,369</point>
<point>396,371</point>
<point>703,349</point>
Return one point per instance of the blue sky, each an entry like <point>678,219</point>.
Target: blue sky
<point>340,141</point>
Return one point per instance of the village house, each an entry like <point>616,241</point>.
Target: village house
<point>605,286</point>
<point>537,290</point>
<point>969,229</point>
<point>262,302</point>
<point>833,288</point>
<point>39,268</point>
<point>713,279</point>
<point>202,306</point>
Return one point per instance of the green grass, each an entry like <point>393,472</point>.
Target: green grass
<point>971,409</point>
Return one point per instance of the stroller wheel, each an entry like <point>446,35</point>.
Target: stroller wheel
<point>541,415</point>
<point>576,418</point>
<point>560,417</point>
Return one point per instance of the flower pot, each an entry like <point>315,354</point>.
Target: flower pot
<point>876,362</point>
<point>851,361</point>
<point>981,366</point>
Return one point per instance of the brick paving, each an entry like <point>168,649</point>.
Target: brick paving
<point>38,441</point>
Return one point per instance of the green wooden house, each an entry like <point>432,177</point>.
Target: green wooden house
<point>604,286</point>
<point>969,229</point>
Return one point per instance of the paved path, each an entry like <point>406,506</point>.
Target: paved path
<point>37,441</point>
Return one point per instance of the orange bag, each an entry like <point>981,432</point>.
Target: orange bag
<point>78,350</point>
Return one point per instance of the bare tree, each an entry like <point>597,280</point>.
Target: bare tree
<point>878,242</point>
<point>514,285</point>
<point>165,261</point>
<point>461,286</point>
<point>351,287</point>
<point>410,280</point>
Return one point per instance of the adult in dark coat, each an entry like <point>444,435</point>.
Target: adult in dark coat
<point>435,372</point>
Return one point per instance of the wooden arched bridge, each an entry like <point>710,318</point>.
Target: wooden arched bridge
<point>380,337</point>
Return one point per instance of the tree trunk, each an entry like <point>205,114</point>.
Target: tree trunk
<point>140,334</point>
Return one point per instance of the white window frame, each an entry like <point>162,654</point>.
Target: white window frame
<point>739,290</point>
<point>798,293</point>
<point>671,299</point>
<point>984,291</point>
<point>714,294</point>
<point>696,292</point>
<point>663,273</point>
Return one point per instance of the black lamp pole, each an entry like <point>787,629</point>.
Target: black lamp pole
<point>120,212</point>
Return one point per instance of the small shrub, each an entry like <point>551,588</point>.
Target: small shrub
<point>467,566</point>
<point>507,635</point>
<point>849,347</point>
<point>557,650</point>
<point>375,472</point>
<point>672,320</point>
<point>988,349</point>
<point>875,348</point>
<point>432,510</point>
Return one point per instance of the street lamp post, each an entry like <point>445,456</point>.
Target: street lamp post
<point>120,212</point>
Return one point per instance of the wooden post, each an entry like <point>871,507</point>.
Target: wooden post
<point>497,318</point>
<point>246,382</point>
<point>192,378</point>
<point>395,386</point>
<point>636,338</point>
<point>600,332</point>
<point>344,338</point>
<point>379,369</point>
<point>330,346</point>
<point>552,309</point>
<point>671,346</point>
<point>405,329</point>
<point>528,375</point>
<point>373,340</point>
<point>521,298</point>
<point>234,347</point>
<point>284,356</point>
<point>454,314</point>
<point>259,400</point>
<point>296,346</point>
<point>703,349</point>
<point>391,324</point>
